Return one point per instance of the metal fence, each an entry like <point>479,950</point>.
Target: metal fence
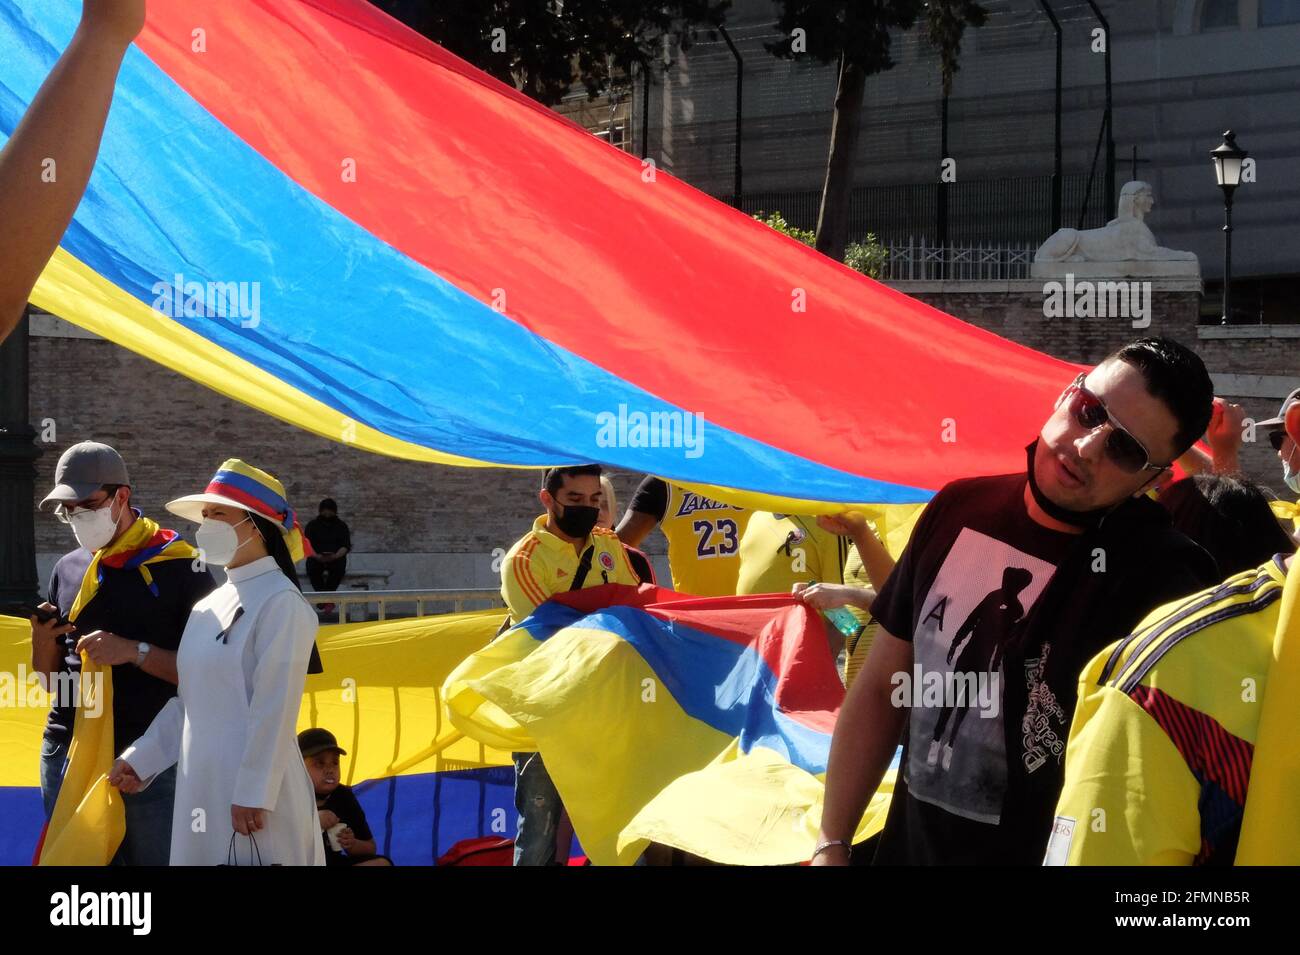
<point>919,261</point>
<point>356,605</point>
<point>1013,212</point>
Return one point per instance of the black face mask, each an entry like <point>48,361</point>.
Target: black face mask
<point>1085,519</point>
<point>576,521</point>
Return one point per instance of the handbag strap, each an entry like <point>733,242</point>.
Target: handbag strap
<point>584,568</point>
<point>233,859</point>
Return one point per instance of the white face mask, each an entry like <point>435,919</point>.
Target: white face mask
<point>94,529</point>
<point>218,541</point>
<point>1292,478</point>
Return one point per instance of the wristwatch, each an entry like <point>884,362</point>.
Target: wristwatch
<point>142,651</point>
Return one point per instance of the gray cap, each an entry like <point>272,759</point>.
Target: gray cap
<point>83,470</point>
<point>1281,412</point>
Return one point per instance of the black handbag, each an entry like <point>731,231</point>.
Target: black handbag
<point>232,858</point>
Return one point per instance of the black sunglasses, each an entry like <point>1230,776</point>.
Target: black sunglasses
<point>1126,451</point>
<point>1276,438</point>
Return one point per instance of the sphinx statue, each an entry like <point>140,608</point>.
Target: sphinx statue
<point>1125,242</point>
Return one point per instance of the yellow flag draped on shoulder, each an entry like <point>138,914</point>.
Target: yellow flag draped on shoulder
<point>88,822</point>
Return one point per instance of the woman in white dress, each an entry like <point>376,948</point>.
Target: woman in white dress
<point>241,783</point>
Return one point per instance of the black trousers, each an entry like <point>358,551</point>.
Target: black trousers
<point>326,577</point>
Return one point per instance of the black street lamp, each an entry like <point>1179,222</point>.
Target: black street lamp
<point>1228,160</point>
<point>18,456</point>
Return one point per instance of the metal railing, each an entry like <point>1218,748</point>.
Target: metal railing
<point>919,261</point>
<point>486,598</point>
<point>1015,211</point>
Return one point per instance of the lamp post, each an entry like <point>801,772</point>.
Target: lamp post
<point>18,456</point>
<point>1228,159</point>
<point>738,191</point>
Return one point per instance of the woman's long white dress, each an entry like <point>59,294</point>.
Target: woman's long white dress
<point>231,725</point>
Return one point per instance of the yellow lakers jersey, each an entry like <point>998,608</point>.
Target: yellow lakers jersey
<point>703,542</point>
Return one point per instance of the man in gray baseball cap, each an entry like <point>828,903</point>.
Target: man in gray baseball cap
<point>84,469</point>
<point>1280,421</point>
<point>121,598</point>
<point>1281,435</point>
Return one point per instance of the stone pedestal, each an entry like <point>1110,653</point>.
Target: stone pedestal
<point>1018,310</point>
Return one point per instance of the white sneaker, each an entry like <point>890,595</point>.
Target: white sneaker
<point>947,756</point>
<point>932,757</point>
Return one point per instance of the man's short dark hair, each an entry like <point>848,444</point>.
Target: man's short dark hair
<point>554,477</point>
<point>328,505</point>
<point>1176,375</point>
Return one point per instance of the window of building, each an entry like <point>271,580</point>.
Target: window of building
<point>1217,14</point>
<point>1274,13</point>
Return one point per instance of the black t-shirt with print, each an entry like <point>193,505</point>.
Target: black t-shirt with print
<point>126,606</point>
<point>1003,613</point>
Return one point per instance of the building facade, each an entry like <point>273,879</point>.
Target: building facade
<point>1182,72</point>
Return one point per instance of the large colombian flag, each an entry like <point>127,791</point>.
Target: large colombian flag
<point>313,210</point>
<point>698,723</point>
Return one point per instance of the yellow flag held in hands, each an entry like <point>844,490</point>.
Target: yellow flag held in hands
<point>89,822</point>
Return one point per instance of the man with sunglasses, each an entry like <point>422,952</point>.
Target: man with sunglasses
<point>122,598</point>
<point>1089,554</point>
<point>1167,745</point>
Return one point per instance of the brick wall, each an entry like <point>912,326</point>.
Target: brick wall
<point>436,526</point>
<point>1015,310</point>
<point>174,433</point>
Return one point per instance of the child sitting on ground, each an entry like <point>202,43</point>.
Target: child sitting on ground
<point>348,840</point>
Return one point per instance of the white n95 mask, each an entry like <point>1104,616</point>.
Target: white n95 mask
<point>218,542</point>
<point>94,529</point>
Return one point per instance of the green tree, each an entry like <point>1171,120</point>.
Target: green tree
<point>543,47</point>
<point>945,25</point>
<point>857,36</point>
<point>777,221</point>
<point>868,256</point>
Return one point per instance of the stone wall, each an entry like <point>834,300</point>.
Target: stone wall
<point>1255,366</point>
<point>431,525</point>
<point>436,526</point>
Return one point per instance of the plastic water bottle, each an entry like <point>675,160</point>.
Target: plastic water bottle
<point>842,620</point>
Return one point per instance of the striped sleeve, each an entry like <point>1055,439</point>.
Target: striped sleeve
<point>519,586</point>
<point>1129,797</point>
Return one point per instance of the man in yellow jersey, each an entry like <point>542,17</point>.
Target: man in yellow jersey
<point>549,559</point>
<point>564,551</point>
<point>1159,763</point>
<point>778,551</point>
<point>703,535</point>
